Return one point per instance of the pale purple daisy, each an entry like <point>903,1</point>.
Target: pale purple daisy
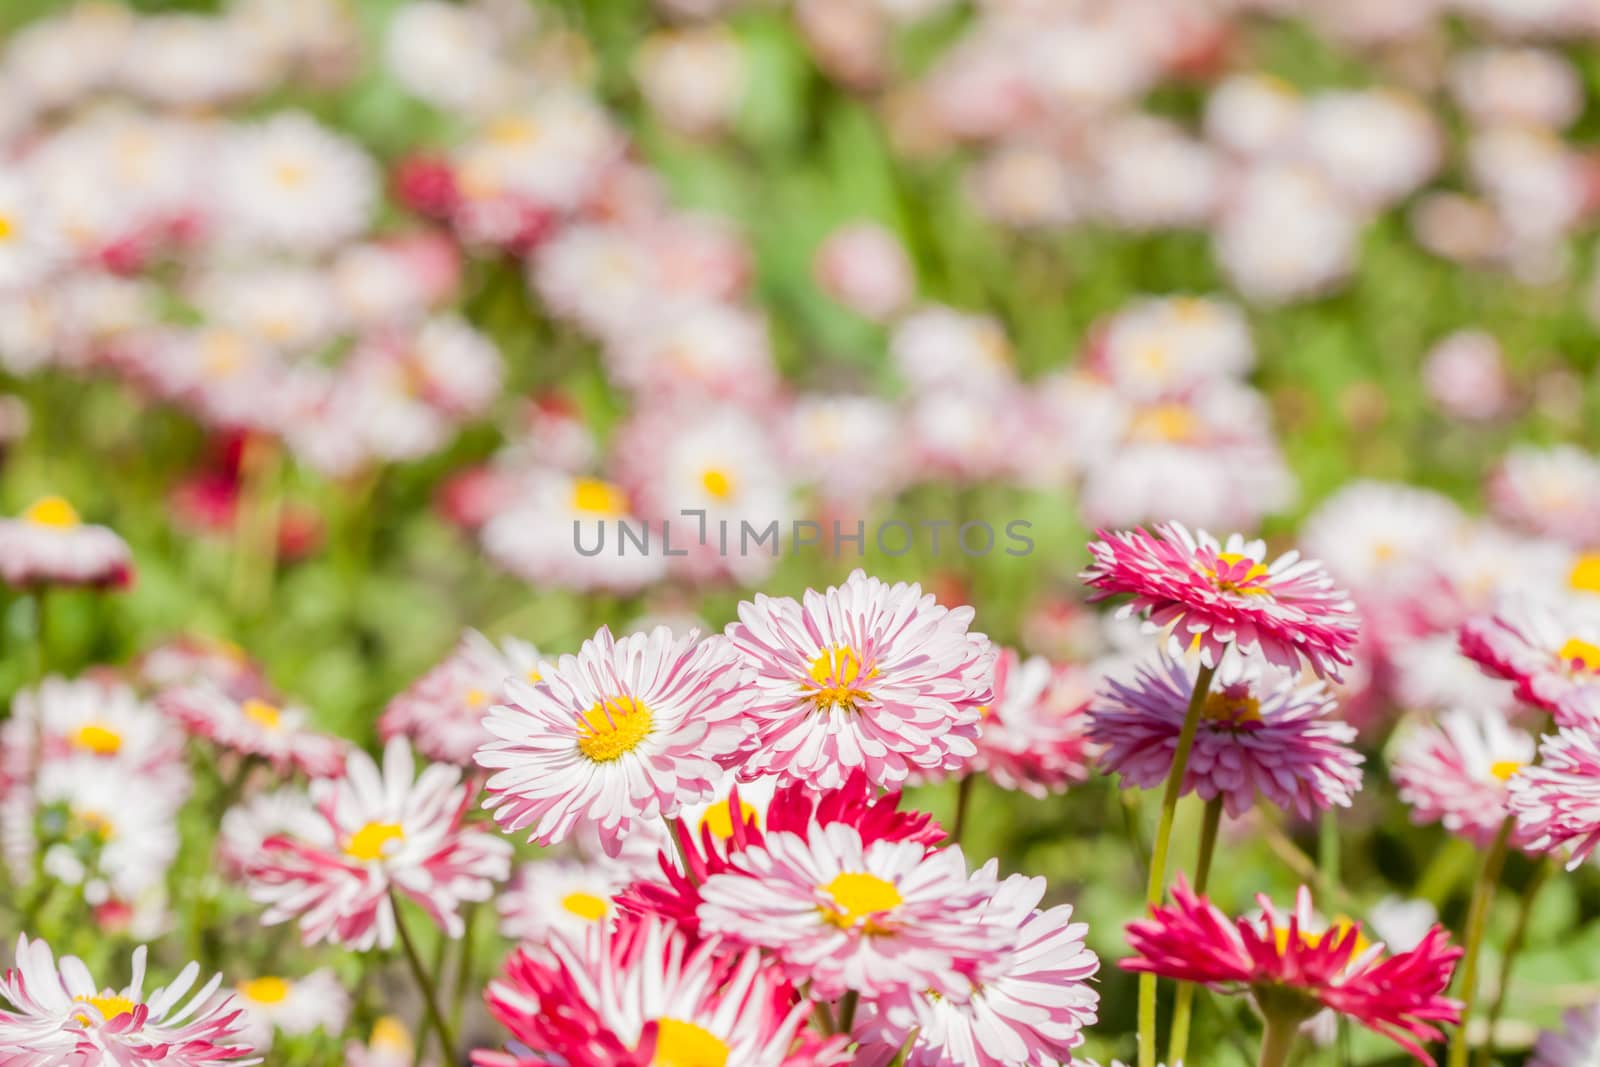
<point>1557,801</point>
<point>1261,731</point>
<point>1214,595</point>
<point>625,731</point>
<point>1549,649</point>
<point>1458,772</point>
<point>1576,1044</point>
<point>881,918</point>
<point>863,675</point>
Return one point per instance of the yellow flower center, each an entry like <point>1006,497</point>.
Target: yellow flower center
<point>390,1034</point>
<point>595,497</point>
<point>1585,573</point>
<point>609,731</point>
<point>719,818</point>
<point>52,511</point>
<point>718,483</point>
<point>534,676</point>
<point>1580,654</point>
<point>369,843</point>
<point>111,1006</point>
<point>1232,704</point>
<point>1153,357</point>
<point>265,990</point>
<point>1335,930</point>
<point>290,175</point>
<point>1164,423</point>
<point>513,130</point>
<point>98,738</point>
<point>262,714</point>
<point>835,674</point>
<point>586,906</point>
<point>7,227</point>
<point>1228,580</point>
<point>1193,309</point>
<point>96,824</point>
<point>685,1044</point>
<point>476,698</point>
<point>1505,768</point>
<point>858,898</point>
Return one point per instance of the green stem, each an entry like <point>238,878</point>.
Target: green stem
<point>1183,1009</point>
<point>963,803</point>
<point>1514,943</point>
<point>1277,1041</point>
<point>1477,921</point>
<point>1328,848</point>
<point>1155,888</point>
<point>847,1011</point>
<point>255,535</point>
<point>425,984</point>
<point>463,970</point>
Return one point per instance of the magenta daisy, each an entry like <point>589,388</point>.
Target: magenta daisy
<point>1293,970</point>
<point>59,1015</point>
<point>48,544</point>
<point>843,915</point>
<point>383,833</point>
<point>865,675</point>
<point>623,731</point>
<point>1028,1005</point>
<point>1034,736</point>
<point>1549,650</point>
<point>1458,772</point>
<point>281,734</point>
<point>1214,595</point>
<point>1557,801</point>
<point>443,711</point>
<point>1262,732</point>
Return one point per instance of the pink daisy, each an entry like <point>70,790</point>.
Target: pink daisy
<point>193,658</point>
<point>1261,732</point>
<point>624,731</point>
<point>1034,737</point>
<point>1458,772</point>
<point>443,711</point>
<point>61,1018</point>
<point>643,995</point>
<point>863,675</point>
<point>1551,651</point>
<point>382,833</point>
<point>1028,1005</point>
<point>1289,966</point>
<point>48,544</point>
<point>256,726</point>
<point>844,915</point>
<point>1214,595</point>
<point>1557,801</point>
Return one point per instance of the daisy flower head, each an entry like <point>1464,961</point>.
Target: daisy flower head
<point>48,544</point>
<point>443,711</point>
<point>1217,595</point>
<point>1549,649</point>
<point>864,675</point>
<point>551,896</point>
<point>390,1045</point>
<point>876,918</point>
<point>290,183</point>
<point>291,1006</point>
<point>1458,772</point>
<point>1550,492</point>
<point>1556,801</point>
<point>1034,735</point>
<point>257,726</point>
<point>193,658</point>
<point>1291,969</point>
<point>1262,732</point>
<point>383,832</point>
<point>96,716</point>
<point>643,995</point>
<point>627,730</point>
<point>286,812</point>
<point>57,1014</point>
<point>1576,1044</point>
<point>1029,1004</point>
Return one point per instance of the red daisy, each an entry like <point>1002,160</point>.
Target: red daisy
<point>1293,969</point>
<point>1214,595</point>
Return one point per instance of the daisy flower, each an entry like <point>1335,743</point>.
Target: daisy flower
<point>1288,968</point>
<point>385,832</point>
<point>95,716</point>
<point>255,726</point>
<point>864,266</point>
<point>48,544</point>
<point>845,915</point>
<point>290,183</point>
<point>1576,1044</point>
<point>865,675</point>
<point>627,730</point>
<point>195,658</point>
<point>390,1045</point>
<point>1217,595</point>
<point>1034,735</point>
<point>1372,535</point>
<point>1556,801</point>
<point>246,826</point>
<point>1261,732</point>
<point>558,896</point>
<point>1028,1005</point>
<point>1549,492</point>
<point>1549,649</point>
<point>59,1015</point>
<point>290,1006</point>
<point>443,711</point>
<point>1458,773</point>
<point>644,995</point>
